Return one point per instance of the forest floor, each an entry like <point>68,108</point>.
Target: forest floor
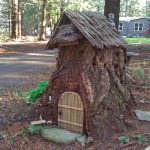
<point>22,66</point>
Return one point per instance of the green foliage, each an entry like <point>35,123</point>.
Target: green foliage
<point>17,94</point>
<point>1,136</point>
<point>130,8</point>
<point>4,36</point>
<point>34,129</point>
<point>32,11</point>
<point>33,95</point>
<point>12,138</point>
<point>124,140</point>
<point>137,40</point>
<point>31,19</point>
<point>148,9</point>
<point>139,73</point>
<point>140,139</point>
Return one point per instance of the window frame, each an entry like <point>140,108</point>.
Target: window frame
<point>142,26</point>
<point>121,26</point>
<point>138,26</point>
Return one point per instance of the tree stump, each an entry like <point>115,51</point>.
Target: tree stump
<point>97,75</point>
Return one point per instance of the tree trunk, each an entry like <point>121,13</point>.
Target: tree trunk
<point>50,23</point>
<point>13,19</point>
<point>99,77</point>
<point>16,19</point>
<point>43,21</point>
<point>112,7</point>
<point>9,18</point>
<point>19,20</point>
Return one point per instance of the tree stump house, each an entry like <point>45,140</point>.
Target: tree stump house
<point>88,92</point>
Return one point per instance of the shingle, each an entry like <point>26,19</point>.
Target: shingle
<point>93,26</point>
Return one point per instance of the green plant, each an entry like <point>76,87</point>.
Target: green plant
<point>140,139</point>
<point>137,40</point>
<point>16,94</point>
<point>34,129</point>
<point>33,95</point>
<point>12,138</point>
<point>124,140</point>
<point>1,136</point>
<point>4,36</point>
<point>139,73</point>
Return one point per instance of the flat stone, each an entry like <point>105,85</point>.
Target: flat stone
<point>148,148</point>
<point>132,54</point>
<point>142,115</point>
<point>59,135</point>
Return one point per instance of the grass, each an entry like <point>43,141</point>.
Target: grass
<point>137,40</point>
<point>4,36</point>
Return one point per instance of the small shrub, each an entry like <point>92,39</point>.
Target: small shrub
<point>34,129</point>
<point>139,73</point>
<point>124,140</point>
<point>12,138</point>
<point>1,136</point>
<point>140,139</point>
<point>33,95</point>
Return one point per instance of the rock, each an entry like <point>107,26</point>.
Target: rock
<point>89,140</point>
<point>142,115</point>
<point>142,101</point>
<point>132,54</point>
<point>148,148</point>
<point>81,140</point>
<point>59,135</point>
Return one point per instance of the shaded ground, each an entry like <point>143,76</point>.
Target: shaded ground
<point>22,66</point>
<point>15,114</point>
<point>18,61</point>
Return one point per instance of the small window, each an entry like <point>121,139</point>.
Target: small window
<point>141,27</point>
<point>136,26</point>
<point>120,26</point>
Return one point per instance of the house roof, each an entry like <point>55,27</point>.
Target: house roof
<point>92,25</point>
<point>131,18</point>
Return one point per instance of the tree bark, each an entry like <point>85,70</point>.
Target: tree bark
<point>99,77</point>
<point>15,19</point>
<point>43,21</point>
<point>112,7</point>
<point>19,20</point>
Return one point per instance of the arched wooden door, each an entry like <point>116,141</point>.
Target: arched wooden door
<point>70,112</point>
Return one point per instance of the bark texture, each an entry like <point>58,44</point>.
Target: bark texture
<point>98,76</point>
<point>16,19</point>
<point>112,7</point>
<point>43,21</point>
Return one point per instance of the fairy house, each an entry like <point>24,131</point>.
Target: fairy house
<point>88,92</point>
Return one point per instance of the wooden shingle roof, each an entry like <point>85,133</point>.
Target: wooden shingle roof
<point>92,25</point>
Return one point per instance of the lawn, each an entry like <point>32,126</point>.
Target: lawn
<point>137,40</point>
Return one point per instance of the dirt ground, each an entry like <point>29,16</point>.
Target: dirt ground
<point>15,114</point>
<point>19,61</point>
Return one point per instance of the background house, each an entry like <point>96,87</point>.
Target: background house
<point>134,26</point>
